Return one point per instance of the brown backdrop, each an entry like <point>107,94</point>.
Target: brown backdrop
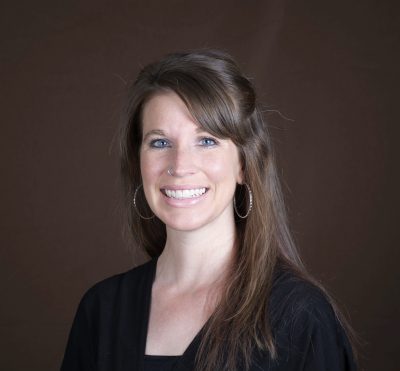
<point>330,71</point>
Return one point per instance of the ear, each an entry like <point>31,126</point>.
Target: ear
<point>240,166</point>
<point>240,174</point>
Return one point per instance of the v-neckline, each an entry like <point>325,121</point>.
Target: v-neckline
<point>188,356</point>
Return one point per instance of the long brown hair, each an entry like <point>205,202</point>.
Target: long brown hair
<point>223,102</point>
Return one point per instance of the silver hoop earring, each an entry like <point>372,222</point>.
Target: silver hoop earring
<point>170,171</point>
<point>250,203</point>
<point>135,206</point>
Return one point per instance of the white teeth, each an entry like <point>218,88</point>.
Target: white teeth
<point>185,193</point>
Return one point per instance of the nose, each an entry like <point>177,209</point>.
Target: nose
<point>183,163</point>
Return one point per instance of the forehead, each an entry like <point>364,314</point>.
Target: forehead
<point>166,109</point>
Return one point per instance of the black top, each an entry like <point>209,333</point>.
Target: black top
<point>160,363</point>
<point>110,328</point>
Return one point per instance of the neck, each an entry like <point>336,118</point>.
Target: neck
<point>200,258</point>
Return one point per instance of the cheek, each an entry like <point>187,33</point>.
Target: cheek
<point>223,169</point>
<point>151,166</point>
<point>143,166</point>
<point>146,167</point>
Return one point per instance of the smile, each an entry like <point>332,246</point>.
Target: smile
<point>184,193</point>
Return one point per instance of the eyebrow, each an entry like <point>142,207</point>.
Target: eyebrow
<point>153,132</point>
<point>161,133</point>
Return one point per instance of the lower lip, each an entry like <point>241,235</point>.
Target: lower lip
<point>184,202</point>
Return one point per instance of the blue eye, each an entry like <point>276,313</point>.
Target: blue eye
<point>208,142</point>
<point>159,143</point>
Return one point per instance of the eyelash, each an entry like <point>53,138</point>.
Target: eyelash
<point>163,143</point>
<point>154,144</point>
<point>215,142</point>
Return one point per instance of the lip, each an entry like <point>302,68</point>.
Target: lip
<point>183,202</point>
<point>177,187</point>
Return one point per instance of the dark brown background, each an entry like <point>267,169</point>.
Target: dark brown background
<point>328,68</point>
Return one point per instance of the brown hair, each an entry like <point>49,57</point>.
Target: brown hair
<point>223,102</point>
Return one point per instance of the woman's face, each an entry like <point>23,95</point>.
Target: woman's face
<point>189,176</point>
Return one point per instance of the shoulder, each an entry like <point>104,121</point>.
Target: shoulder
<point>115,288</point>
<point>104,314</point>
<point>305,325</point>
<point>295,296</point>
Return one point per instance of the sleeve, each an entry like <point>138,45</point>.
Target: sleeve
<point>316,340</point>
<point>80,354</point>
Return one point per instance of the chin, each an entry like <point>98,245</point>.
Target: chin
<point>184,223</point>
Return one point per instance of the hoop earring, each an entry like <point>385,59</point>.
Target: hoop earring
<point>135,206</point>
<point>250,203</point>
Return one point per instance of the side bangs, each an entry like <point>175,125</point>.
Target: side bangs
<point>209,102</point>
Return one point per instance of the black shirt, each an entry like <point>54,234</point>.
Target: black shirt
<point>160,363</point>
<point>110,328</point>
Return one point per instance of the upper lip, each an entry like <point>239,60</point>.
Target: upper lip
<point>175,187</point>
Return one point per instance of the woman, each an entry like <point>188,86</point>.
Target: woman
<point>225,288</point>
